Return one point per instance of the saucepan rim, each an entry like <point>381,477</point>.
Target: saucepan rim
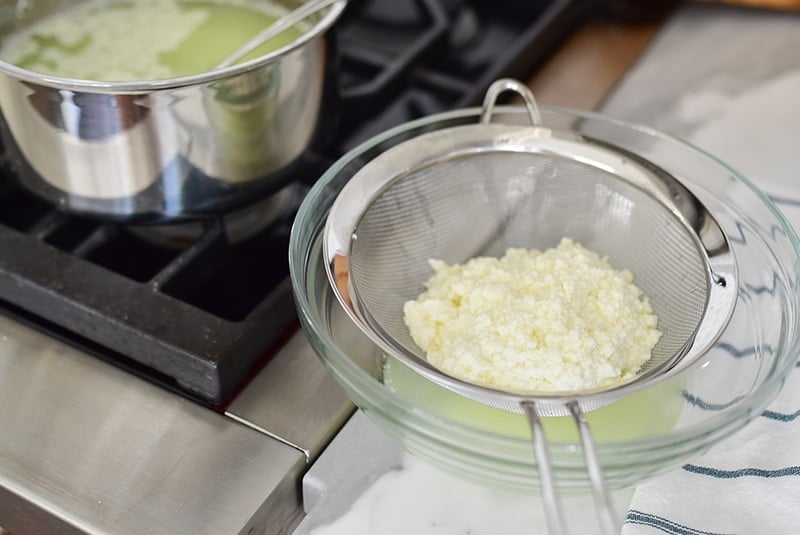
<point>148,86</point>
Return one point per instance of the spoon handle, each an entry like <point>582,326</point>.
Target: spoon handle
<point>280,25</point>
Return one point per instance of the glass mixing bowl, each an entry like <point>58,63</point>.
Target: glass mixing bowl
<point>639,436</point>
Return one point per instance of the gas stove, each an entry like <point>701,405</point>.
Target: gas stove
<point>202,310</point>
<point>195,307</point>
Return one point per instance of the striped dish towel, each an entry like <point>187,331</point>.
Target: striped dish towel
<point>748,484</point>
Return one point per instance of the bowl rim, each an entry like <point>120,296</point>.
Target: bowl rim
<point>331,15</point>
<point>725,423</point>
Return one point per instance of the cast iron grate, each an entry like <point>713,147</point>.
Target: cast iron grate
<point>199,315</point>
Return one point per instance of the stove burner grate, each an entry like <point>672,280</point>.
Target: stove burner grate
<point>200,315</point>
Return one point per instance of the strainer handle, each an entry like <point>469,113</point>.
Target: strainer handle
<point>554,515</point>
<point>509,84</point>
<point>602,497</point>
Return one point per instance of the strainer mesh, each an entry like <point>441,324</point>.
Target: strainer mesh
<point>482,203</point>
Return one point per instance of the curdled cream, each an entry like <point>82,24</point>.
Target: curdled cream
<point>556,320</point>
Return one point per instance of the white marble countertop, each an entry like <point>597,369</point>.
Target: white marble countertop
<point>365,484</point>
<point>727,79</point>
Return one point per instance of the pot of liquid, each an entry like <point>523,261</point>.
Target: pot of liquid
<point>115,108</point>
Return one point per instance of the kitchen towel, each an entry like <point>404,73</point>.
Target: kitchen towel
<point>747,484</point>
<point>739,101</point>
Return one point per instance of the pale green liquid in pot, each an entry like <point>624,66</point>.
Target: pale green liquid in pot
<point>649,412</point>
<point>130,40</point>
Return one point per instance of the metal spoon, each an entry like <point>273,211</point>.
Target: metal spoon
<point>280,25</point>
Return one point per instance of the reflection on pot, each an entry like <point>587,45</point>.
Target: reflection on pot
<point>87,144</point>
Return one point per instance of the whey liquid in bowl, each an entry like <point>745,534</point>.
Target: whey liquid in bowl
<point>127,40</point>
<point>649,412</point>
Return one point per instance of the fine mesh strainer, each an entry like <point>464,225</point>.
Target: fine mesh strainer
<point>477,190</point>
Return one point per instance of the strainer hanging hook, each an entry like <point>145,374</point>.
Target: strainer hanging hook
<point>507,84</point>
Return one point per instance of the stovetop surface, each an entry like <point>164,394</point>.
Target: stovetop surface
<point>197,307</point>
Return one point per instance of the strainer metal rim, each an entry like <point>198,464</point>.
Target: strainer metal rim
<point>433,147</point>
<point>369,181</point>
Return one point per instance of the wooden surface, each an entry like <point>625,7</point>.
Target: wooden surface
<point>766,4</point>
<point>586,66</point>
<point>590,61</point>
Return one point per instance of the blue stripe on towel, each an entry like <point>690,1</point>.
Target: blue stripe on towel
<point>784,200</point>
<point>706,406</point>
<point>742,472</point>
<point>780,416</point>
<point>774,230</point>
<point>746,352</point>
<point>764,289</point>
<point>741,237</point>
<point>662,524</point>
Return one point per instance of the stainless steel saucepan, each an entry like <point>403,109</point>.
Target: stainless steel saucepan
<point>164,149</point>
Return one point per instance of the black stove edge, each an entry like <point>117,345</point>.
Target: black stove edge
<point>214,355</point>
